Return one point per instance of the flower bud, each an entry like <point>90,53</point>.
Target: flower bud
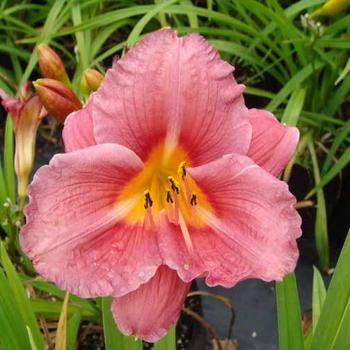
<point>26,117</point>
<point>90,81</point>
<point>57,98</point>
<point>331,8</point>
<point>25,135</point>
<point>51,65</point>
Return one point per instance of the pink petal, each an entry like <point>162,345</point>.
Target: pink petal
<point>74,233</point>
<point>252,233</point>
<point>177,89</point>
<point>153,308</point>
<point>273,143</point>
<point>78,129</point>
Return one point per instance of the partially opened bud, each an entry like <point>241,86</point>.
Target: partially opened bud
<point>25,91</point>
<point>57,98</point>
<point>51,65</point>
<point>91,80</point>
<point>26,118</point>
<point>25,134</point>
<point>12,105</point>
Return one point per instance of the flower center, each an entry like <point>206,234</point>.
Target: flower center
<point>164,184</point>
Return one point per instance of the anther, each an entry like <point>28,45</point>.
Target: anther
<point>148,199</point>
<point>174,185</point>
<point>182,169</point>
<point>194,199</point>
<point>169,198</point>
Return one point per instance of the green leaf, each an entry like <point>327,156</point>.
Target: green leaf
<point>168,342</point>
<point>51,26</point>
<point>84,304</point>
<point>294,107</point>
<point>332,331</point>
<point>73,330</point>
<point>21,299</point>
<point>83,40</point>
<point>9,170</point>
<point>192,18</point>
<point>114,339</point>
<point>31,339</point>
<point>292,84</point>
<point>321,230</point>
<point>13,330</point>
<point>3,187</point>
<point>290,335</point>
<point>344,72</point>
<point>250,90</point>
<point>337,98</point>
<point>318,297</point>
<point>51,310</point>
<point>162,16</point>
<point>334,171</point>
<point>339,139</point>
<point>135,33</point>
<point>308,339</point>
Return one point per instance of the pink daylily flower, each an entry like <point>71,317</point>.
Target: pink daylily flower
<point>167,177</point>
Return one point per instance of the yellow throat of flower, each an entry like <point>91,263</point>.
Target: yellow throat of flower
<point>164,184</point>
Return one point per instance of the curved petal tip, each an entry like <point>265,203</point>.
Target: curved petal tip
<point>153,308</point>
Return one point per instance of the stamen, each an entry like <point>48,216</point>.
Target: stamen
<point>169,198</point>
<point>176,190</point>
<point>149,221</point>
<point>194,199</point>
<point>176,209</point>
<point>148,199</point>
<point>185,234</point>
<point>174,184</point>
<point>170,207</point>
<point>182,170</point>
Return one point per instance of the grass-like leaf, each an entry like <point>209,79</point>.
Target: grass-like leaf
<point>343,160</point>
<point>13,330</point>
<point>21,299</point>
<point>73,330</point>
<point>290,336</point>
<point>294,107</point>
<point>332,331</point>
<point>168,342</point>
<point>9,170</point>
<point>114,339</point>
<point>318,297</point>
<point>321,230</point>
